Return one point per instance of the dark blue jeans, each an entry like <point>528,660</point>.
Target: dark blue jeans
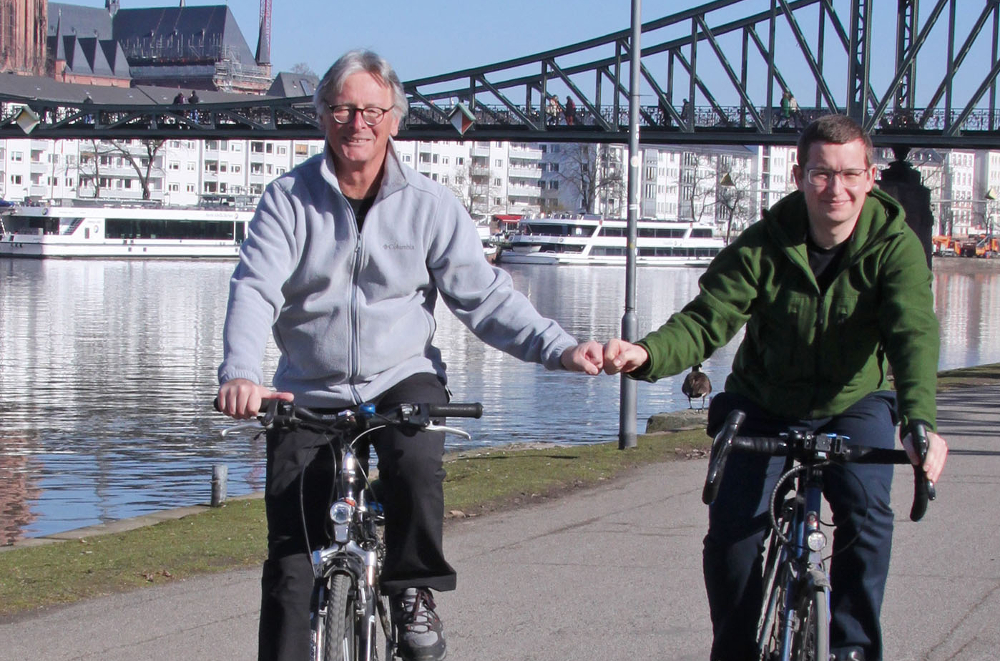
<point>737,521</point>
<point>412,474</point>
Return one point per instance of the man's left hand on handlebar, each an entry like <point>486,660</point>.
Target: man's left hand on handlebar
<point>937,455</point>
<point>241,398</point>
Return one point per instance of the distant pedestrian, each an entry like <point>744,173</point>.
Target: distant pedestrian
<point>570,111</point>
<point>553,109</point>
<point>194,97</point>
<point>179,100</point>
<point>685,112</point>
<point>664,114</point>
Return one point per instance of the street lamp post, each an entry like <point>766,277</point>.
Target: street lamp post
<point>627,436</point>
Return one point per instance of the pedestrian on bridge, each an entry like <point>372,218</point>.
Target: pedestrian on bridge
<point>344,262</point>
<point>570,110</point>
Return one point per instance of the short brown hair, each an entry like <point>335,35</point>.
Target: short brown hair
<point>836,129</point>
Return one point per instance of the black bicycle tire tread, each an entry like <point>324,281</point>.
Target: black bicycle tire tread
<point>339,610</point>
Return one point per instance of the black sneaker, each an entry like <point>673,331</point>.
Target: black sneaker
<point>421,636</point>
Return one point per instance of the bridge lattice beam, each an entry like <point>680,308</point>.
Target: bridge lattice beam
<point>731,59</point>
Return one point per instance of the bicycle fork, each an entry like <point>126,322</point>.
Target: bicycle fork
<point>347,557</point>
<point>807,575</point>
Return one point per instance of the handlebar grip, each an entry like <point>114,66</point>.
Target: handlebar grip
<point>455,410</point>
<point>720,451</point>
<point>923,489</point>
<point>215,404</point>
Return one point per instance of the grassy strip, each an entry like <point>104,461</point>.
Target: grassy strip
<point>234,536</point>
<point>967,377</point>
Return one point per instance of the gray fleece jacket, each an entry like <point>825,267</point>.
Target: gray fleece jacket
<point>353,314</point>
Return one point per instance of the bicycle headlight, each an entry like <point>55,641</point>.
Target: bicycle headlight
<point>341,513</point>
<point>816,540</point>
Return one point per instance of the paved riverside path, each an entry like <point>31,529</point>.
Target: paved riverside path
<point>611,573</point>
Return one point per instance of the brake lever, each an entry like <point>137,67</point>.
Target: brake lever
<point>240,427</point>
<point>449,430</point>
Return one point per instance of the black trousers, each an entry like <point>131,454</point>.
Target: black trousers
<point>859,499</point>
<point>412,473</point>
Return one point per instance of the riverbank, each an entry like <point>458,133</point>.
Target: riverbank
<point>179,544</point>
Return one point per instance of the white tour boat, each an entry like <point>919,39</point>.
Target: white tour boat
<point>120,231</point>
<point>593,240</point>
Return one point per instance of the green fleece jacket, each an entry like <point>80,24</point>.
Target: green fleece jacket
<point>808,354</point>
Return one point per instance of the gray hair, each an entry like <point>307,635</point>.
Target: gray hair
<point>360,61</point>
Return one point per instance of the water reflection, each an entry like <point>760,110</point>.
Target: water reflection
<point>107,370</point>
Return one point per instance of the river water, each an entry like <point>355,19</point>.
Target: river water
<point>107,371</point>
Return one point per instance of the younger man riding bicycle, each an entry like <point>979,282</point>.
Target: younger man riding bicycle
<point>833,288</point>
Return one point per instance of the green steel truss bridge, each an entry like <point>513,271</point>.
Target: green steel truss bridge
<point>916,74</point>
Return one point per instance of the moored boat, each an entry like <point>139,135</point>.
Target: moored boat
<point>119,231</point>
<point>597,241</point>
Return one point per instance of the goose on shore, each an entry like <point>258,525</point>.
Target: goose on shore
<point>696,384</point>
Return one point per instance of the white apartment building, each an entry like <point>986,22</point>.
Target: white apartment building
<point>491,178</point>
<point>988,188</point>
<point>659,192</point>
<point>956,202</point>
<point>775,163</point>
<point>505,178</point>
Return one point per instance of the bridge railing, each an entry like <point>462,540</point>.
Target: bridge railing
<point>296,119</point>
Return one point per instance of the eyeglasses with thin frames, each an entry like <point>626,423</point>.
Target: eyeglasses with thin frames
<point>372,116</point>
<point>821,177</point>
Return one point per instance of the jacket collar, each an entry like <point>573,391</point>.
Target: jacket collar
<point>393,177</point>
<point>881,218</point>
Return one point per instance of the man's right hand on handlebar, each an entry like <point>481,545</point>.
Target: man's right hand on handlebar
<point>937,455</point>
<point>241,398</point>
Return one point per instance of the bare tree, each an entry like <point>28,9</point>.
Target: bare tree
<point>472,193</point>
<point>303,69</point>
<point>90,164</point>
<point>736,207</point>
<point>702,178</point>
<point>596,175</point>
<point>143,165</point>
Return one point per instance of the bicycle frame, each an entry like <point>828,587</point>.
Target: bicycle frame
<point>356,551</point>
<point>796,585</point>
<point>795,565</point>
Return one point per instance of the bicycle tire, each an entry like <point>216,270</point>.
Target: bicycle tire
<point>774,577</point>
<point>339,636</point>
<point>812,639</point>
<point>769,629</point>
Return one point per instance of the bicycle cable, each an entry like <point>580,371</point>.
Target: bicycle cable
<point>857,534</point>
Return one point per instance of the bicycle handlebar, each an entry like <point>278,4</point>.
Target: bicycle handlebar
<point>809,446</point>
<point>456,410</point>
<point>407,414</point>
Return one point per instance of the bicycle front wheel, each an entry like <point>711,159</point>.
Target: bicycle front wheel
<point>340,641</point>
<point>812,638</point>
